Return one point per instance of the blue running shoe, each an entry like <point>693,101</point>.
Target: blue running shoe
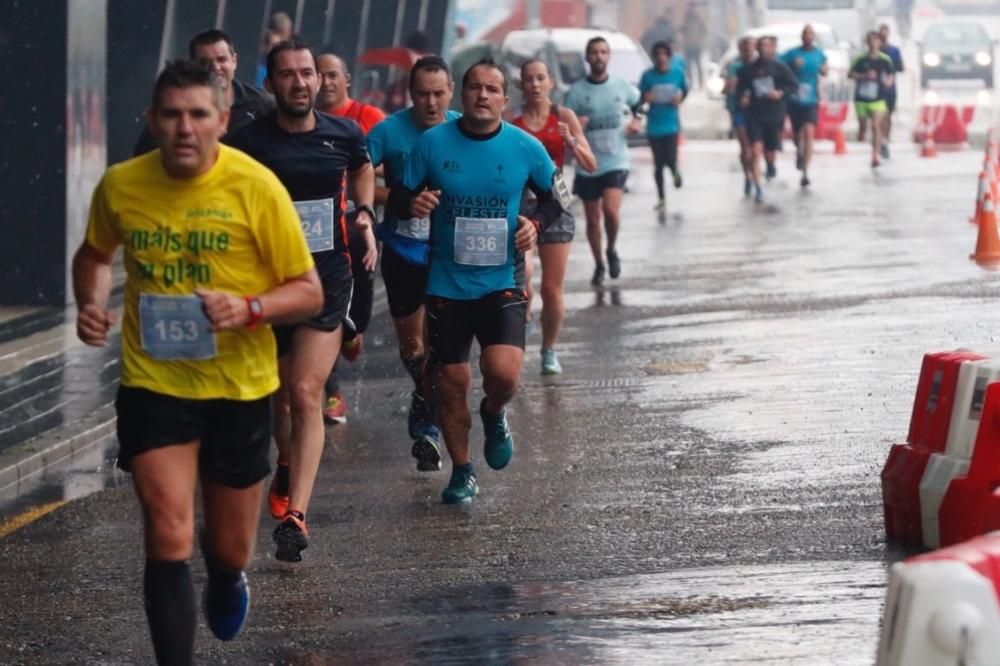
<point>227,607</point>
<point>427,453</point>
<point>420,420</point>
<point>499,448</point>
<point>550,362</point>
<point>461,488</point>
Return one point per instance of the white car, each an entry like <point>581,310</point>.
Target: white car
<point>835,85</point>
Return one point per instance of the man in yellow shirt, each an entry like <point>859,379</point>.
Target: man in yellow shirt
<point>214,254</point>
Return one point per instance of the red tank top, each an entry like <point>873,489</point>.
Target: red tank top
<point>548,135</point>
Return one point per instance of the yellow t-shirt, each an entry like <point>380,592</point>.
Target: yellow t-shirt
<point>232,229</point>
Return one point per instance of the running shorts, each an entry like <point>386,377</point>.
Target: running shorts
<point>738,118</point>
<point>868,109</point>
<point>235,435</point>
<point>405,283</point>
<point>802,114</point>
<point>591,188</point>
<point>561,231</point>
<point>766,131</point>
<point>495,319</point>
<point>336,303</point>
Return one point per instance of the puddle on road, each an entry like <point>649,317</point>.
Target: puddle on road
<point>808,613</point>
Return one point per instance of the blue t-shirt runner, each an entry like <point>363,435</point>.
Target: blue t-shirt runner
<point>481,178</point>
<point>389,144</point>
<point>605,106</point>
<point>663,118</point>
<point>807,65</point>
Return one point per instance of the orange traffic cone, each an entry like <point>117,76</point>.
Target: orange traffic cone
<point>928,148</point>
<point>984,186</point>
<point>988,244</point>
<point>839,142</point>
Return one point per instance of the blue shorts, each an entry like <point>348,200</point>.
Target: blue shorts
<point>738,118</point>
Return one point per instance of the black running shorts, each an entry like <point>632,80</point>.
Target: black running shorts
<point>766,131</point>
<point>405,283</point>
<point>801,114</point>
<point>336,303</point>
<point>235,435</point>
<point>494,319</point>
<point>591,188</point>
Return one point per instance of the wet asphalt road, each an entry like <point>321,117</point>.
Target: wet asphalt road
<point>699,486</point>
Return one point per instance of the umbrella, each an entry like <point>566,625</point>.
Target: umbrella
<point>397,56</point>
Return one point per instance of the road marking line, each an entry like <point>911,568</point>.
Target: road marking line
<point>29,516</point>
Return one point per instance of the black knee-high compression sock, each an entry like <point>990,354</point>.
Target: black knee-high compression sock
<point>415,368</point>
<point>658,177</point>
<point>170,610</point>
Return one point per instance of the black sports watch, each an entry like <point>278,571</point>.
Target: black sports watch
<point>365,208</point>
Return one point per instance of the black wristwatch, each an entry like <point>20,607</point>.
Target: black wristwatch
<point>365,208</point>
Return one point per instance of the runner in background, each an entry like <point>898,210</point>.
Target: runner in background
<point>663,88</point>
<point>600,100</point>
<point>808,62</point>
<point>872,72</point>
<point>890,99</point>
<point>559,131</point>
<point>747,52</point>
<point>334,98</point>
<point>405,248</point>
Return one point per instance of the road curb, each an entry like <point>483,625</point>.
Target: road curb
<point>22,464</point>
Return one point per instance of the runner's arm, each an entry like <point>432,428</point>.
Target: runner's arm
<point>297,298</point>
<point>361,186</point>
<point>582,153</point>
<point>92,289</point>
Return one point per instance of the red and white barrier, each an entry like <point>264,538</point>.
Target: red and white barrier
<point>929,424</point>
<point>943,608</point>
<point>942,468</point>
<point>942,486</point>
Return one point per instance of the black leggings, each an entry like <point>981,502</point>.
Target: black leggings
<point>362,300</point>
<point>664,155</point>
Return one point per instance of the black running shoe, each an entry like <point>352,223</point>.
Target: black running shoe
<point>614,264</point>
<point>427,453</point>
<point>772,171</point>
<point>291,537</point>
<point>598,278</point>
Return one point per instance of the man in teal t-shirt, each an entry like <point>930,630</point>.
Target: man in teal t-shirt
<point>405,248</point>
<point>600,100</point>
<point>467,176</point>
<point>808,62</point>
<point>663,88</point>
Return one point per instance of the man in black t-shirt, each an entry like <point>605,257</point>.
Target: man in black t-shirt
<point>762,88</point>
<point>314,155</point>
<point>245,102</point>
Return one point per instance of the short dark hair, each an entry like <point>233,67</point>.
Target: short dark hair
<point>292,44</point>
<point>486,62</point>
<point>430,63</point>
<point>592,41</point>
<point>662,46</point>
<point>207,38</point>
<point>187,74</point>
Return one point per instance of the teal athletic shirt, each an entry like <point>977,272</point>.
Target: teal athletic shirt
<point>481,178</point>
<point>663,118</point>
<point>390,143</point>
<point>733,70</point>
<point>604,105</point>
<point>808,73</point>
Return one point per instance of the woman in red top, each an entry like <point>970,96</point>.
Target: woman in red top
<point>559,130</point>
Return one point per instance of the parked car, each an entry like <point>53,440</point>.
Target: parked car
<point>956,50</point>
<point>835,86</point>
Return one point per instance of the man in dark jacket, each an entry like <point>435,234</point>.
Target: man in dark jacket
<point>762,88</point>
<point>245,102</point>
